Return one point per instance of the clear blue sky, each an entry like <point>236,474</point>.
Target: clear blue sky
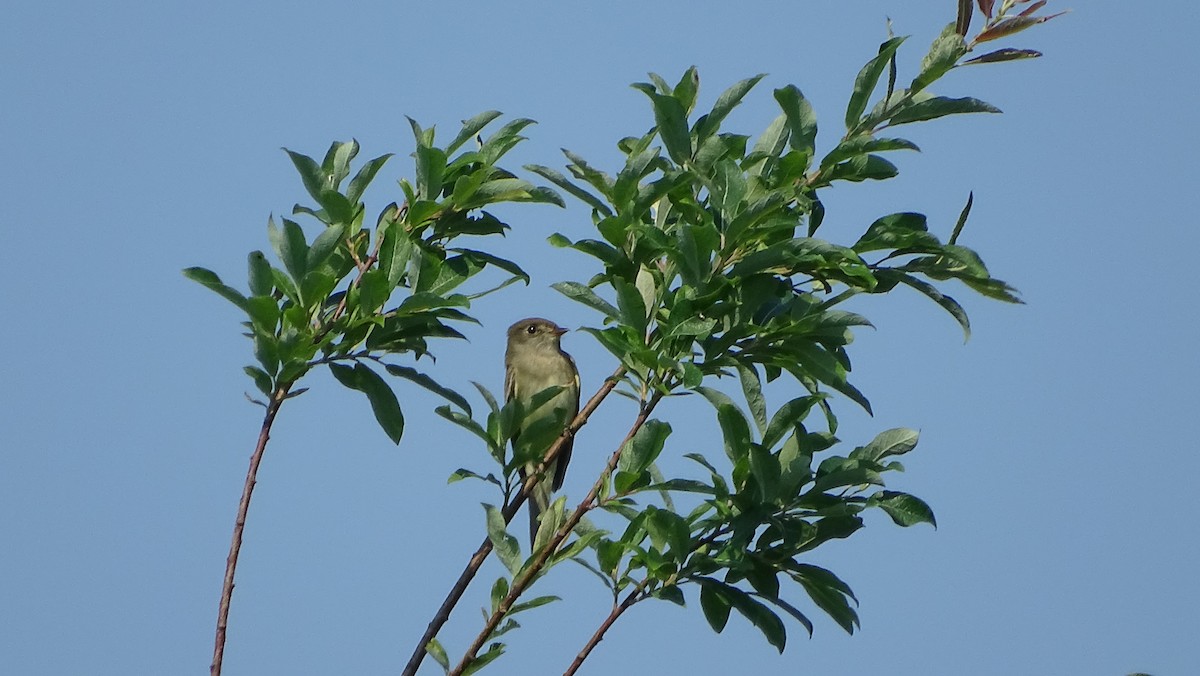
<point>1059,445</point>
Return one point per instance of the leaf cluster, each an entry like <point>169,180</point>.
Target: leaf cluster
<point>355,294</point>
<point>712,267</point>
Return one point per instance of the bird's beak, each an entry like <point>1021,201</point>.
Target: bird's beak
<point>560,331</point>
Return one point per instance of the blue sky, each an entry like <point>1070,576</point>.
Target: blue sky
<point>1059,445</point>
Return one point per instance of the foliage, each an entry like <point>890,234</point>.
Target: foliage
<point>710,267</point>
<point>356,294</point>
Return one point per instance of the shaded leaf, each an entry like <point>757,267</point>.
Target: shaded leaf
<point>1006,54</point>
<point>867,80</point>
<point>508,550</point>
<point>905,510</point>
<point>210,280</point>
<point>940,106</point>
<point>383,401</point>
<point>430,384</point>
<point>581,293</point>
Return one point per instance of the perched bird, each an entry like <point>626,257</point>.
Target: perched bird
<point>533,363</point>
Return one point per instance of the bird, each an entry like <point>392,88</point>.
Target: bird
<point>534,362</point>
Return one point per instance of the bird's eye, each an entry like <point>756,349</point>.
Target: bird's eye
<point>531,329</point>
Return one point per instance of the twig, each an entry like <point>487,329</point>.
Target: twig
<point>510,510</point>
<point>634,596</point>
<point>531,570</point>
<point>240,525</point>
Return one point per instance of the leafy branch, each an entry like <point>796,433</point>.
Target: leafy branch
<point>711,269</point>
<point>331,300</point>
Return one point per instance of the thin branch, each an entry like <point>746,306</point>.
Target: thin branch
<point>532,569</point>
<point>240,525</point>
<point>634,596</point>
<point>510,510</point>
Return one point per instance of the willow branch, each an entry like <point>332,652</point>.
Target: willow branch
<point>239,526</point>
<point>618,609</point>
<point>509,511</point>
<point>531,570</point>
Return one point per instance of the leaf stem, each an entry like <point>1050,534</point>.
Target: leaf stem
<point>239,525</point>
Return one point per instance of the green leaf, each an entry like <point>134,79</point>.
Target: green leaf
<point>431,168</point>
<point>862,144</point>
<point>671,120</point>
<point>533,603</point>
<point>863,168</point>
<point>563,182</point>
<point>898,231</point>
<point>726,102</point>
<point>940,106</point>
<point>468,423</point>
<point>867,80</point>
<point>752,389</point>
<point>499,591</point>
<point>438,653</point>
<point>383,401</point>
<point>261,380</point>
<point>289,246</point>
<point>645,447</point>
<point>506,546</point>
<point>946,302</point>
<point>670,593</point>
<point>210,280</point>
<point>765,155</point>
<point>787,418</point>
<point>692,326</point>
<point>631,306</point>
<point>472,127</point>
<point>336,165</point>
<point>324,245</point>
<point>946,50</point>
<point>581,169</point>
<point>734,428</point>
<point>802,120</point>
<point>482,257</point>
<point>897,441</point>
<point>261,283</point>
<point>373,291</point>
<point>582,294</point>
<point>310,173</point>
<point>362,179</point>
<point>828,595</point>
<point>962,218</point>
<point>494,650</point>
<point>715,602</point>
<point>722,596</point>
<point>264,313</point>
<point>686,89</point>
<point>905,510</point>
<point>395,253</point>
<point>430,384</point>
<point>464,473</point>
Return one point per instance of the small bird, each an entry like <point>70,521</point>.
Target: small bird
<point>534,362</point>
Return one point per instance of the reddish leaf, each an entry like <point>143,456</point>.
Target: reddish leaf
<point>1033,8</point>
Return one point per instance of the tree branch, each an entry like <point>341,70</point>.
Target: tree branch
<point>634,596</point>
<point>531,570</point>
<point>510,510</point>
<point>240,525</point>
